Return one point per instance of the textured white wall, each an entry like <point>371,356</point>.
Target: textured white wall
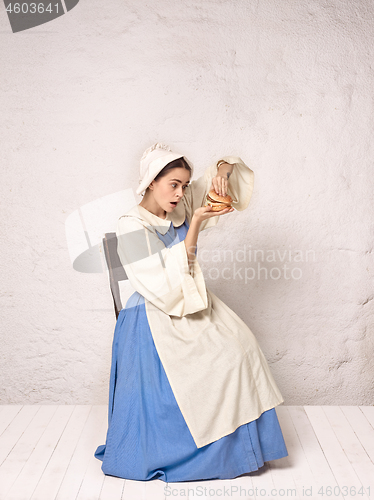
<point>287,86</point>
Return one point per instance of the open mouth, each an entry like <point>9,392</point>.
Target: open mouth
<point>173,203</point>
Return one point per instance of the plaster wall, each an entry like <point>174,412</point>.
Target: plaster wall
<point>287,86</point>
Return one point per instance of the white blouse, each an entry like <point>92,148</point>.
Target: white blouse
<point>216,369</point>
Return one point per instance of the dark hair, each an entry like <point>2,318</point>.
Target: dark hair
<point>178,163</point>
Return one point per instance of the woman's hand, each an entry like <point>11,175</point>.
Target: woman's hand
<point>219,184</point>
<point>220,181</point>
<point>203,213</point>
<point>198,217</point>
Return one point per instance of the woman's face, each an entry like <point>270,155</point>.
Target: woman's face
<point>170,188</point>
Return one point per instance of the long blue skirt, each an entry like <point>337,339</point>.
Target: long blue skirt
<point>147,436</point>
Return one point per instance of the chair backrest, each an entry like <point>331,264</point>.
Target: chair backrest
<point>115,268</point>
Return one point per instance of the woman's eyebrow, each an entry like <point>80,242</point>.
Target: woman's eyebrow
<point>179,180</point>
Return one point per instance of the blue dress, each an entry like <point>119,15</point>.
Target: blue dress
<point>147,436</point>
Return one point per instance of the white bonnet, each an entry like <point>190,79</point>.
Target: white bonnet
<point>154,159</point>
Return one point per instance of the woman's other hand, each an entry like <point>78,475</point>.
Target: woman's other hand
<point>220,181</point>
<point>219,184</point>
<point>203,213</point>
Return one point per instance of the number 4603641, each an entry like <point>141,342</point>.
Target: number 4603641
<point>32,8</point>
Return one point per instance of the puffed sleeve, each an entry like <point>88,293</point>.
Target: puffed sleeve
<point>240,188</point>
<point>161,274</point>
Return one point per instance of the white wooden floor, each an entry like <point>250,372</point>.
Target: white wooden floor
<point>46,453</point>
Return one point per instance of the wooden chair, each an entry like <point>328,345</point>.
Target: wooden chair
<point>115,268</point>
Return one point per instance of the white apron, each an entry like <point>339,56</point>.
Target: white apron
<point>215,367</point>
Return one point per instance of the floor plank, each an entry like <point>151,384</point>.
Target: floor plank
<point>135,490</point>
<point>73,478</point>
<point>35,465</point>
<point>93,479</point>
<point>354,451</point>
<point>55,470</point>
<point>361,426</point>
<point>20,453</point>
<point>47,453</point>
<point>344,475</point>
<point>8,413</point>
<point>368,411</point>
<point>318,464</point>
<point>297,458</point>
<point>113,488</point>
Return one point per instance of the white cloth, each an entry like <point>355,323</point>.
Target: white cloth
<point>216,369</point>
<point>154,159</point>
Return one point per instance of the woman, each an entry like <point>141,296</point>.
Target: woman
<point>191,396</point>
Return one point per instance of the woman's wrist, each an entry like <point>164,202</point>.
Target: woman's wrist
<point>196,221</point>
<point>221,162</point>
<point>224,169</point>
<point>190,240</point>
